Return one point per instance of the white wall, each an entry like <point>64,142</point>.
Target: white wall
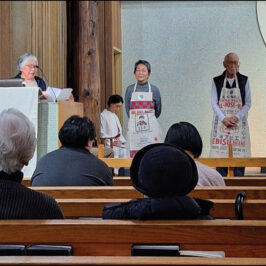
<point>185,42</point>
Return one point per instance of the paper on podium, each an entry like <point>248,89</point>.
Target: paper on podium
<point>57,94</point>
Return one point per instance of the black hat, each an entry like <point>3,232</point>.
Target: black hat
<point>160,170</point>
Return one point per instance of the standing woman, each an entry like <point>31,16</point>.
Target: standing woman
<point>143,107</point>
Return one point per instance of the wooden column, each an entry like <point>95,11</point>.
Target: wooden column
<point>94,55</point>
<point>86,58</point>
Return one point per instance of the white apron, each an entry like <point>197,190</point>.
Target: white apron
<point>230,103</point>
<point>143,128</point>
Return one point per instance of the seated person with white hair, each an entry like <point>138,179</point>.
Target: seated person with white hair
<point>73,164</point>
<point>187,137</point>
<point>27,66</point>
<point>17,146</point>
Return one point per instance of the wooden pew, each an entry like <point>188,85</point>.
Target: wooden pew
<point>245,181</point>
<point>212,162</point>
<point>222,209</point>
<point>230,162</point>
<point>130,192</point>
<point>126,261</point>
<point>229,181</point>
<point>114,237</point>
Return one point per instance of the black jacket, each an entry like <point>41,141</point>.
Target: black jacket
<point>179,207</point>
<point>20,202</point>
<point>40,82</point>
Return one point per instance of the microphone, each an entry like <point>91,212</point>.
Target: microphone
<point>46,79</point>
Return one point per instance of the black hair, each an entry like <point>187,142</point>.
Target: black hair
<point>115,98</point>
<point>76,132</point>
<point>185,136</point>
<point>143,62</point>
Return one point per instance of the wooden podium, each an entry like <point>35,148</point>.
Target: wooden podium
<point>51,117</point>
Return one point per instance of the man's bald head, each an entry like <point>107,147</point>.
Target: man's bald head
<point>231,64</point>
<point>230,55</point>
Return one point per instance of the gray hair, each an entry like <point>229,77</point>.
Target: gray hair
<point>17,140</point>
<point>231,53</point>
<point>22,60</point>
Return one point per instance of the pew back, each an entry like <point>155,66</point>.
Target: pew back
<point>229,181</point>
<point>126,261</point>
<point>222,209</point>
<point>212,162</point>
<point>130,192</point>
<point>115,238</point>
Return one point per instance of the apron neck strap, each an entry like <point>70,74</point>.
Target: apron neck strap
<point>149,85</point>
<point>235,77</point>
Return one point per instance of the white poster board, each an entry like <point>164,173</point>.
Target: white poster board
<point>25,99</point>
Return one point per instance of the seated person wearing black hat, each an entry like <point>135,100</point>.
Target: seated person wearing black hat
<point>165,174</point>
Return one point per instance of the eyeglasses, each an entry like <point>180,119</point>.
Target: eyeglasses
<point>32,66</point>
<point>233,63</point>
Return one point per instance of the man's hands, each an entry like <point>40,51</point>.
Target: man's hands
<point>230,121</point>
<point>117,142</point>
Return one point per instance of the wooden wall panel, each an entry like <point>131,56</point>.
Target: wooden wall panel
<point>102,57</point>
<point>113,53</point>
<point>5,39</point>
<point>37,27</point>
<point>49,35</point>
<point>116,23</point>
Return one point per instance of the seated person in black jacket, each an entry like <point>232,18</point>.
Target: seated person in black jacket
<point>73,164</point>
<point>165,174</point>
<point>17,146</point>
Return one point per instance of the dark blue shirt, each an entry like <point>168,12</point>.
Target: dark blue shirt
<point>40,81</point>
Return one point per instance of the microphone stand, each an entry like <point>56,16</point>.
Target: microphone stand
<point>46,79</point>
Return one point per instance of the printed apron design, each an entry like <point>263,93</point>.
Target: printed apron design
<point>230,103</point>
<point>143,128</point>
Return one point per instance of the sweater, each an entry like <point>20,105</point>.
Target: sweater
<point>70,166</point>
<point>156,97</point>
<point>20,202</point>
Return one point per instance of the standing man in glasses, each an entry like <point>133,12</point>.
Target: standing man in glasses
<point>231,101</point>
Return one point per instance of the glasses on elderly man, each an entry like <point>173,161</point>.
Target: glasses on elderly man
<point>233,63</point>
<point>32,66</point>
